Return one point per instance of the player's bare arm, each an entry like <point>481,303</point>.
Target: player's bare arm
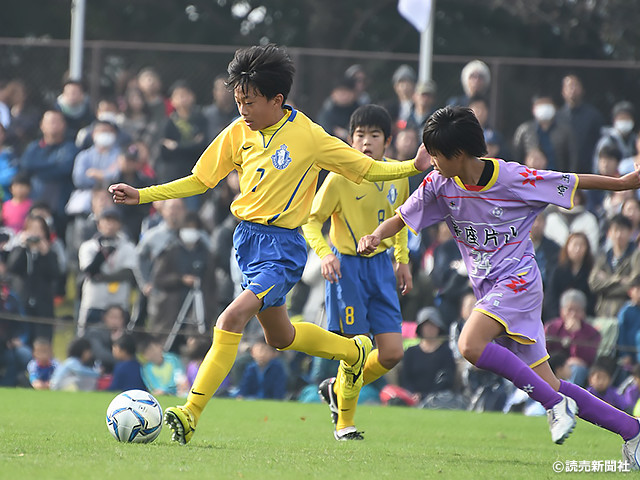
<point>386,229</point>
<point>125,194</point>
<point>630,181</point>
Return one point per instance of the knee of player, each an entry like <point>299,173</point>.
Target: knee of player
<point>390,358</point>
<point>470,349</point>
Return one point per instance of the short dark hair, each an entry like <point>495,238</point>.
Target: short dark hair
<point>78,346</point>
<point>21,178</point>
<point>267,68</point>
<point>371,116</point>
<point>180,85</point>
<point>610,151</point>
<point>453,130</point>
<point>127,344</point>
<point>620,220</point>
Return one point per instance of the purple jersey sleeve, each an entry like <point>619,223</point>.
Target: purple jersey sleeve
<point>545,186</point>
<point>420,209</point>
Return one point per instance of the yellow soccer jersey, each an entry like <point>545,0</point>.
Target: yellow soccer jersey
<point>355,211</point>
<point>278,167</point>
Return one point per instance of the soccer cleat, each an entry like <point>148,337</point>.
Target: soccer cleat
<point>562,419</point>
<point>350,377</point>
<point>347,433</point>
<point>631,452</point>
<point>326,392</point>
<point>181,423</point>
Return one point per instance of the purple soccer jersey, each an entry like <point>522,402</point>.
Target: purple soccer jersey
<point>491,226</point>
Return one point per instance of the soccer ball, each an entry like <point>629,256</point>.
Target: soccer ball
<point>134,416</point>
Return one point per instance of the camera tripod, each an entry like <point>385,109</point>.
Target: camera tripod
<point>191,312</point>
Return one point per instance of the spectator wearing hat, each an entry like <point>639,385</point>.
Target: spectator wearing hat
<point>337,109</point>
<point>404,84</point>
<point>358,74</point>
<point>424,99</point>
<point>95,166</point>
<point>428,367</point>
<point>108,261</point>
<point>620,134</point>
<point>475,78</point>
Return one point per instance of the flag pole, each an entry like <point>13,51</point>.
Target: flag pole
<point>426,48</point>
<point>77,39</point>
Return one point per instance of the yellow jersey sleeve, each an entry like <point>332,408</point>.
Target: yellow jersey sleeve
<point>336,156</point>
<point>216,161</point>
<point>390,170</point>
<point>325,204</point>
<point>183,187</point>
<point>400,247</point>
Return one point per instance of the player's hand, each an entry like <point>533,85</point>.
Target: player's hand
<point>330,268</point>
<point>368,244</point>
<point>423,159</point>
<point>125,194</point>
<point>404,278</point>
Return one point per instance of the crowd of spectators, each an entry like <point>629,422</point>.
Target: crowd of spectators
<point>126,272</point>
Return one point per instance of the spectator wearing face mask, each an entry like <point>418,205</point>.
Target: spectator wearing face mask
<point>184,266</point>
<point>95,166</point>
<point>546,134</point>
<point>620,135</point>
<point>106,111</point>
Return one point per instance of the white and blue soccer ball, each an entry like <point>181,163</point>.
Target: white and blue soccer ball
<point>134,416</point>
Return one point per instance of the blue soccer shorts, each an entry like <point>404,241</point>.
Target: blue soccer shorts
<point>365,299</point>
<point>271,259</point>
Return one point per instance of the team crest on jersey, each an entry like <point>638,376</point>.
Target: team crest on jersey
<point>392,196</point>
<point>453,205</point>
<point>281,159</point>
<point>497,212</point>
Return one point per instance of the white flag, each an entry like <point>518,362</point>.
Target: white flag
<point>416,12</point>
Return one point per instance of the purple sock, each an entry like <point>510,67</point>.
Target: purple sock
<point>594,410</point>
<point>504,362</point>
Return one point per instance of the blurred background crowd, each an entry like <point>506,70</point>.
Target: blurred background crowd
<point>99,296</point>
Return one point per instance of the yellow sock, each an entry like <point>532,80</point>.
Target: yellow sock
<point>373,369</point>
<point>314,340</point>
<point>213,370</point>
<point>346,409</point>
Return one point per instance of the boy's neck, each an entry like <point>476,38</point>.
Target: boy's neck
<point>472,168</point>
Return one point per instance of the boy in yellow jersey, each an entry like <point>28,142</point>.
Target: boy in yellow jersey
<point>360,294</point>
<point>277,152</point>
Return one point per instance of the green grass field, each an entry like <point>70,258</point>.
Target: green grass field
<point>50,435</point>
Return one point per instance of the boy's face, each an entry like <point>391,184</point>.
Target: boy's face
<point>20,191</point>
<point>262,353</point>
<point>370,141</point>
<point>153,353</point>
<point>42,352</point>
<point>448,167</point>
<point>619,236</point>
<point>608,166</point>
<point>634,294</point>
<point>600,380</point>
<point>183,98</point>
<point>257,111</point>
